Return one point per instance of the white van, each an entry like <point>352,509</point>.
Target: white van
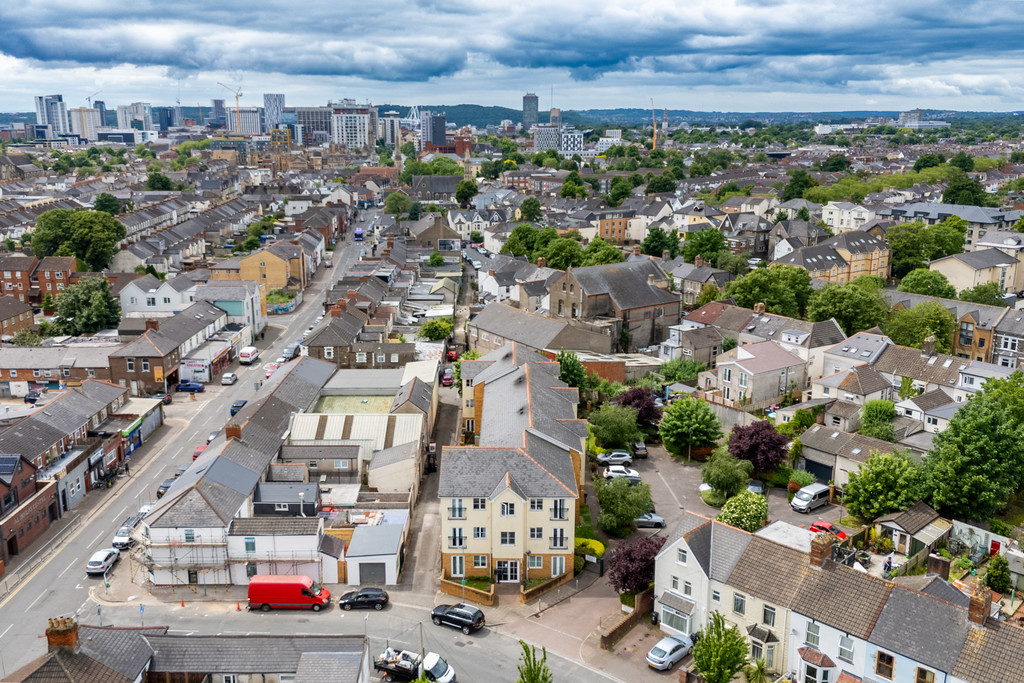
<point>248,355</point>
<point>810,497</point>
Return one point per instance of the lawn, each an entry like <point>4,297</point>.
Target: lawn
<point>713,498</point>
<point>481,583</point>
<point>586,527</point>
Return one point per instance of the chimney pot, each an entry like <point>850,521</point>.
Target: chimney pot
<point>980,606</point>
<point>821,549</point>
<point>153,324</point>
<point>666,255</point>
<point>928,346</point>
<point>62,633</point>
<point>698,261</point>
<point>233,430</point>
<point>759,307</point>
<point>636,250</point>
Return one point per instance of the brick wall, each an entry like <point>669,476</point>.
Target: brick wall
<point>644,604</point>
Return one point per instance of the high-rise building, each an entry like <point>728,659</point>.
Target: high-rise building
<point>530,109</point>
<point>313,124</point>
<point>102,107</point>
<point>136,115</point>
<point>51,111</point>
<point>164,118</point>
<point>545,137</point>
<point>85,122</point>
<point>273,107</point>
<point>216,119</point>
<point>556,117</point>
<point>390,128</point>
<point>438,129</point>
<point>354,125</point>
<point>572,142</point>
<point>251,121</point>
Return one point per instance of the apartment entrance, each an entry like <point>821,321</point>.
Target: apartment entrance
<point>507,571</point>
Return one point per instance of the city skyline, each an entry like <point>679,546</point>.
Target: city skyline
<point>761,55</point>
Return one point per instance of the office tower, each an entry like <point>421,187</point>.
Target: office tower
<point>101,106</point>
<point>136,115</point>
<point>545,137</point>
<point>354,125</point>
<point>556,117</point>
<point>572,142</point>
<point>218,116</point>
<point>314,124</point>
<point>85,122</point>
<point>164,117</point>
<point>390,128</point>
<point>438,133</point>
<point>251,121</point>
<point>51,111</point>
<point>530,109</point>
<point>273,107</point>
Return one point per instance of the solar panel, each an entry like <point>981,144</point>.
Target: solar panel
<point>8,463</point>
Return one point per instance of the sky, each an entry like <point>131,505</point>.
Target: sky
<point>706,55</point>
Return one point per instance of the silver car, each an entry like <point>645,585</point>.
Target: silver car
<point>668,652</point>
<point>102,561</point>
<point>616,457</point>
<point>651,520</point>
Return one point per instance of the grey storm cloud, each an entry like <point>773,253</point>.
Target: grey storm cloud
<point>827,42</point>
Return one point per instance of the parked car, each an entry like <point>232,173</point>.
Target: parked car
<point>237,406</point>
<point>145,510</point>
<point>102,561</point>
<point>460,616</point>
<point>613,471</point>
<point>271,369</point>
<point>639,450</point>
<point>123,536</point>
<point>810,497</point>
<point>165,398</point>
<point>447,377</point>
<point>291,351</point>
<point>32,397</point>
<point>651,520</point>
<point>180,471</point>
<point>228,378</point>
<point>162,489</point>
<point>193,387</point>
<point>199,451</point>
<point>756,486</point>
<point>822,527</point>
<point>615,457</point>
<point>364,598</point>
<point>287,591</point>
<point>668,652</point>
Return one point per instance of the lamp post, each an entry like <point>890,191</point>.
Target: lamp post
<point>526,574</point>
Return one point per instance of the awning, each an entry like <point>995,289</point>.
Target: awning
<point>815,657</point>
<point>762,633</point>
<point>676,602</point>
<point>127,431</point>
<point>96,458</point>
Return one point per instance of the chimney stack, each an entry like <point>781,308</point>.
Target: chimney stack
<point>153,324</point>
<point>233,430</point>
<point>542,262</point>
<point>938,565</point>
<point>698,261</point>
<point>666,255</point>
<point>62,634</point>
<point>981,605</point>
<point>821,549</point>
<point>928,346</point>
<point>759,307</point>
<point>391,240</point>
<point>636,250</point>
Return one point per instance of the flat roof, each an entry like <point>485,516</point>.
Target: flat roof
<point>355,404</point>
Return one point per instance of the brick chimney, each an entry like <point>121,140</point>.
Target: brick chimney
<point>759,307</point>
<point>666,255</point>
<point>542,262</point>
<point>928,346</point>
<point>153,324</point>
<point>391,240</point>
<point>698,261</point>
<point>981,605</point>
<point>62,634</point>
<point>636,250</point>
<point>233,430</point>
<point>821,549</point>
<point>337,308</point>
<point>939,566</point>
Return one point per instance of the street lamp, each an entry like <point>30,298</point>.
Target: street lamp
<point>526,575</point>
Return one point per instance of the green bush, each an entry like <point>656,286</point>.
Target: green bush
<point>999,527</point>
<point>713,498</point>
<point>802,478</point>
<point>883,545</point>
<point>780,477</point>
<point>945,553</point>
<point>964,563</point>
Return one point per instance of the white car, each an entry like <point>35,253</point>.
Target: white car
<point>613,471</point>
<point>668,652</point>
<point>228,378</point>
<point>102,561</point>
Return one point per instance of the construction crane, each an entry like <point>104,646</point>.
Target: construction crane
<point>238,109</point>
<point>654,120</point>
<point>89,98</point>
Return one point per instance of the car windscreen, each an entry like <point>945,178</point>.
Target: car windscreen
<point>439,669</point>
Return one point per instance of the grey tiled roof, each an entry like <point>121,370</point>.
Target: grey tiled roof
<point>274,526</point>
<point>991,654</point>
<point>842,598</point>
<point>480,471</point>
<point>912,520</point>
<point>936,587</point>
<point>769,571</point>
<point>626,283</point>
<point>727,546</point>
<point>901,627</point>
<point>329,667</point>
<point>242,654</point>
<point>980,259</point>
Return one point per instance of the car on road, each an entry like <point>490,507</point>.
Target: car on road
<point>364,598</point>
<point>650,520</point>
<point>615,457</point>
<point>447,377</point>
<point>192,387</point>
<point>212,435</point>
<point>228,378</point>
<point>756,486</point>
<point>32,397</point>
<point>271,369</point>
<point>613,471</point>
<point>460,616</point>
<point>668,652</point>
<point>281,360</point>
<point>145,510</point>
<point>237,406</point>
<point>291,351</point>
<point>639,450</point>
<point>199,451</point>
<point>123,536</point>
<point>162,489</point>
<point>822,527</point>
<point>180,471</point>
<point>165,398</point>
<point>102,561</point>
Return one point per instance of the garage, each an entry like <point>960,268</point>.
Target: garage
<point>821,472</point>
<point>374,555</point>
<point>372,573</point>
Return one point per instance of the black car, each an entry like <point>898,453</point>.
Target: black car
<point>165,398</point>
<point>162,489</point>
<point>460,616</point>
<point>364,598</point>
<point>32,397</point>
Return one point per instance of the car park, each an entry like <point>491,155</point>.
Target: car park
<point>164,486</point>
<point>650,520</point>
<point>639,450</point>
<point>461,616</point>
<point>614,471</point>
<point>102,561</point>
<point>237,406</point>
<point>668,652</point>
<point>192,387</point>
<point>615,457</point>
<point>228,378</point>
<point>822,527</point>
<point>364,598</point>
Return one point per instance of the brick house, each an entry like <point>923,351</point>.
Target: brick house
<point>53,275</point>
<point>16,275</point>
<point>148,364</point>
<point>15,315</point>
<point>25,510</point>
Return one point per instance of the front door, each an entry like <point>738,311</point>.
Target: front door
<point>507,571</point>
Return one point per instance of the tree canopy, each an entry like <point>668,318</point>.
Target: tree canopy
<point>707,243</point>
<point>158,182</point>
<point>631,563</point>
<point>758,443</point>
<point>86,307</point>
<point>886,482</point>
<point>799,182</point>
<point>911,326</point>
<point>570,369</point>
<point>721,652</point>
<point>465,191</point>
<point>529,210</point>
<point>913,244</point>
<point>621,503</point>
<point>658,241</point>
<point>780,288</point>
<point>439,328</point>
<point>107,203</point>
<point>987,293</point>
<point>91,236</point>
<point>854,306</point>
<point>641,399</point>
<point>615,426</point>
<point>726,473</point>
<point>689,422</point>
<point>962,189</point>
<point>927,282</point>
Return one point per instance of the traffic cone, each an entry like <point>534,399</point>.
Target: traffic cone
<point>183,602</point>
<point>238,606</point>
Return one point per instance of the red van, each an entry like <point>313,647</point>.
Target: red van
<point>279,591</point>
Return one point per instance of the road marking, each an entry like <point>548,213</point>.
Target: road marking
<point>122,511</point>
<point>98,536</point>
<point>41,596</point>
<point>72,564</point>
<point>6,630</point>
<point>670,491</point>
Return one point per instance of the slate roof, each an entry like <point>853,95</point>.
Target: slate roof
<point>482,471</point>
<point>242,654</point>
<point>842,598</point>
<point>931,399</point>
<point>912,520</point>
<point>274,526</point>
<point>415,392</point>
<point>535,331</point>
<point>903,361</point>
<point>11,307</point>
<point>329,667</point>
<point>626,283</point>
<point>980,259</point>
<point>864,380</point>
<point>901,627</point>
<point>150,344</point>
<point>936,587</point>
<point>819,257</point>
<point>727,546</point>
<point>769,571</point>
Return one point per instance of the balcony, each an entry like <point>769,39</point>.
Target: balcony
<point>558,543</point>
<point>456,513</point>
<point>559,514</point>
<point>457,542</point>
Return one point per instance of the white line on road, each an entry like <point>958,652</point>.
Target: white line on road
<point>41,596</point>
<point>98,537</point>
<point>6,630</point>
<point>70,565</point>
<point>122,511</point>
<point>670,491</point>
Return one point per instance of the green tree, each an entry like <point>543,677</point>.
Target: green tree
<point>47,303</point>
<point>530,210</point>
<point>92,236</point>
<point>158,181</point>
<point>681,370</point>
<point>854,308</point>
<point>439,328</point>
<point>796,280</point>
<point>614,426</point>
<point>659,241</point>
<point>436,259</point>
<point>689,422</point>
<point>726,473</point>
<point>415,211</point>
<point>465,191</point>
<point>929,283</point>
<point>709,292</point>
<point>988,293</point>
<point>913,244</point>
<point>975,464</point>
<point>621,503</point>
<point>86,307</point>
<point>564,253</point>
<point>876,420</point>
<point>707,243</point>
<point>570,369</point>
<point>928,161</point>
<point>662,183</point>
<point>803,214</point>
<point>963,161</point>
<point>721,652</point>
<point>107,203</point>
<point>886,482</point>
<point>599,253</point>
<point>408,150</point>
<point>799,182</point>
<point>961,189</point>
<point>997,574</point>
<point>25,337</point>
<point>471,354</point>
<point>761,285</point>
<point>397,203</point>
<point>476,236</point>
<point>728,344</point>
<point>531,668</point>
<point>835,162</point>
<point>911,326</point>
<point>746,510</point>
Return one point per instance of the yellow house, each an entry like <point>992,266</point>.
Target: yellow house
<point>281,266</point>
<point>843,258</point>
<point>980,267</point>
